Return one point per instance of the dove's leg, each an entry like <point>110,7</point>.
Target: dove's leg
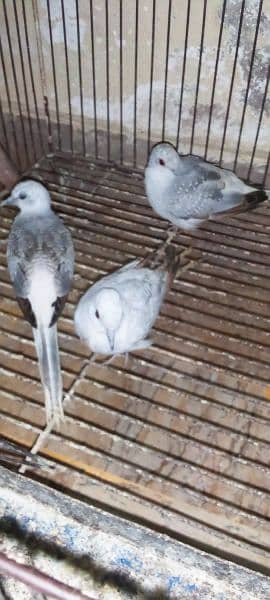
<point>93,359</point>
<point>108,361</point>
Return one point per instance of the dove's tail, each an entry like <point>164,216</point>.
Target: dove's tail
<point>237,203</point>
<point>50,371</point>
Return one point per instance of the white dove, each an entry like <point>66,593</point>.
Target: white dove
<point>40,259</point>
<point>187,190</point>
<point>116,314</point>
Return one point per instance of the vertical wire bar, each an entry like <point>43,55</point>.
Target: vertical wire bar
<point>94,77</point>
<point>248,83</point>
<point>266,170</point>
<point>54,79</point>
<point>151,76</point>
<point>135,85</point>
<point>42,73</point>
<point>24,80</point>
<point>215,79</point>
<point>32,77</point>
<point>232,80</point>
<point>259,124</point>
<point>198,77</point>
<point>121,79</point>
<point>166,69</point>
<point>18,156</point>
<point>16,82</point>
<point>108,82</point>
<point>80,78</point>
<point>7,145</point>
<point>183,75</point>
<point>68,76</point>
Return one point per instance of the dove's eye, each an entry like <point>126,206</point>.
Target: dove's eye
<point>22,195</point>
<point>162,162</point>
<point>97,314</point>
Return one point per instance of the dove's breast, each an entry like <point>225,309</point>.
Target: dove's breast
<point>158,183</point>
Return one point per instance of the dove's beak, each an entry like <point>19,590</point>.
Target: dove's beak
<point>9,201</point>
<point>111,336</point>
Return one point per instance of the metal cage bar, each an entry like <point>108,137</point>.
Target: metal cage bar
<point>159,97</point>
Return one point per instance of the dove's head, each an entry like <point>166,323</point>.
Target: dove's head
<point>164,156</point>
<point>108,313</point>
<point>30,197</point>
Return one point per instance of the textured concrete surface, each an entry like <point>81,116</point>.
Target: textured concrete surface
<point>107,555</point>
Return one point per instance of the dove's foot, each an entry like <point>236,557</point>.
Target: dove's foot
<point>188,265</point>
<point>171,233</point>
<point>186,252</point>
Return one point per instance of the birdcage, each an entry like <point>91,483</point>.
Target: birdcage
<point>177,437</point>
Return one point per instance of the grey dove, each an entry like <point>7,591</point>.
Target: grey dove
<point>187,190</point>
<point>116,314</point>
<point>40,258</point>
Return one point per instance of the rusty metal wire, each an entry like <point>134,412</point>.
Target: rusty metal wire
<point>22,118</point>
<point>38,581</point>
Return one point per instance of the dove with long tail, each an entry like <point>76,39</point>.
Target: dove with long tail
<point>40,258</point>
<point>116,314</point>
<point>187,190</point>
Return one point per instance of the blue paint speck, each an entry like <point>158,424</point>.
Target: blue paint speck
<point>173,582</point>
<point>191,587</point>
<point>129,561</point>
<point>71,535</point>
<point>124,562</point>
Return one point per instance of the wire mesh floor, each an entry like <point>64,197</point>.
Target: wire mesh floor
<point>177,437</point>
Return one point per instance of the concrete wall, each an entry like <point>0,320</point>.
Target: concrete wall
<point>36,17</point>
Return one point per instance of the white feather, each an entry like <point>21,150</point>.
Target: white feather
<point>42,293</point>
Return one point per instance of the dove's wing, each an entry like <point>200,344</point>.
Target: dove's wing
<point>203,190</point>
<point>64,258</point>
<point>20,246</point>
<point>141,289</point>
<point>194,191</point>
<point>45,239</point>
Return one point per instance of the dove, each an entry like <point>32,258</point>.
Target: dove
<point>40,258</point>
<point>116,313</point>
<point>187,190</point>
